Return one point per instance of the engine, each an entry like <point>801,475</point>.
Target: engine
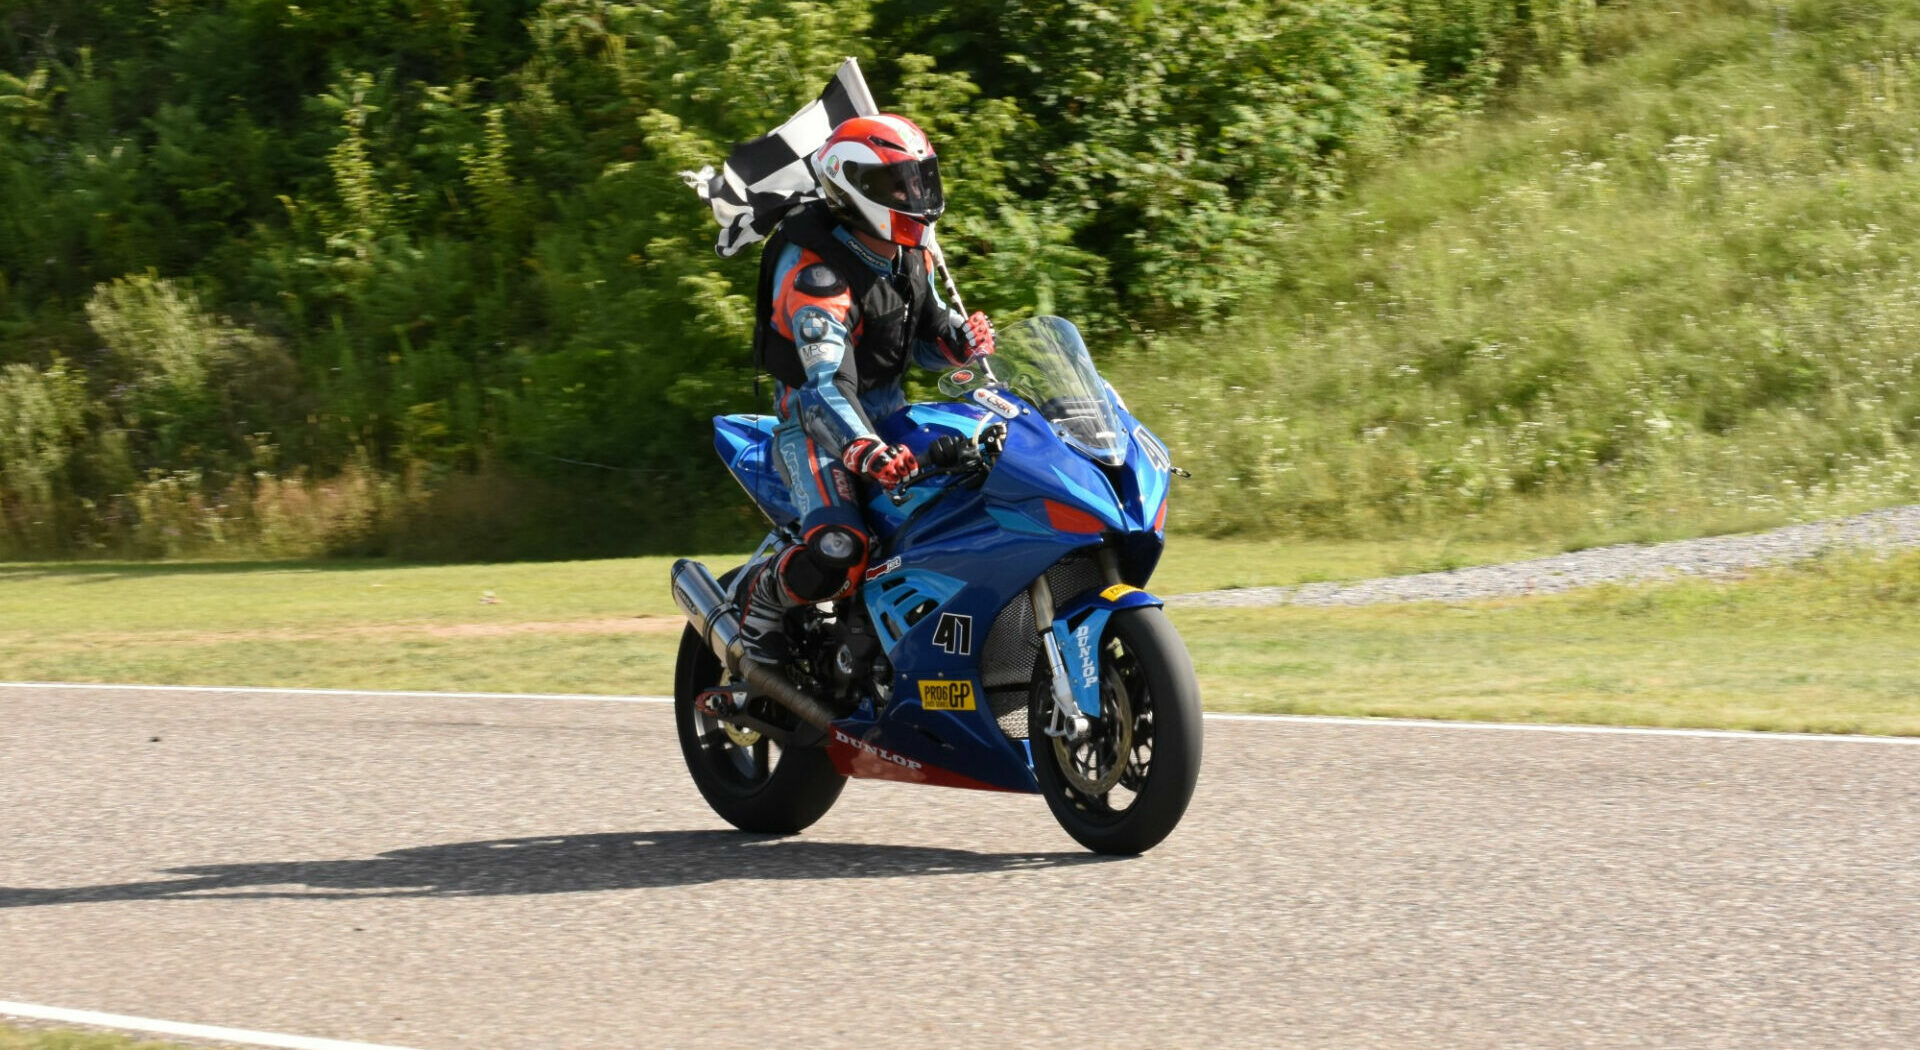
<point>844,658</point>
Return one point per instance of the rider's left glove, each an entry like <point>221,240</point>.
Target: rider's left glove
<point>870,458</point>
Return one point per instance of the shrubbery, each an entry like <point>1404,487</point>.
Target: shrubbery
<point>342,275</point>
<point>1674,292</point>
<point>251,248</point>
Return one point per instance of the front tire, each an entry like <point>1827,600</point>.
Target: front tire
<point>1125,788</point>
<point>750,781</point>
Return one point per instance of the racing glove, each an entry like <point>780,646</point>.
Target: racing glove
<point>972,337</point>
<point>869,458</point>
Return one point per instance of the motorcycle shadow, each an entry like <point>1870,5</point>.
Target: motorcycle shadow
<point>556,864</point>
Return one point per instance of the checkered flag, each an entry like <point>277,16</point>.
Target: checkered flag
<point>766,178</point>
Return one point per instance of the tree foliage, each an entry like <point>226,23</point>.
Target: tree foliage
<point>249,240</point>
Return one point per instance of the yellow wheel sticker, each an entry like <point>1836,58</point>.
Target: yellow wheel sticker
<point>1117,592</point>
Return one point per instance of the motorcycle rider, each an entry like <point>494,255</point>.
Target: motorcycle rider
<point>845,299</point>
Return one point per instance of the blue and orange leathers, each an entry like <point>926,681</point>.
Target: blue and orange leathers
<point>816,311</point>
<point>950,558</point>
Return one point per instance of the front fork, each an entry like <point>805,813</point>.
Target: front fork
<point>1067,719</point>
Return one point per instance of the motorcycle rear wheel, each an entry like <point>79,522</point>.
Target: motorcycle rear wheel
<point>1125,788</point>
<point>751,782</point>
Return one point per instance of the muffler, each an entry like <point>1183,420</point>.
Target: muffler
<point>711,612</point>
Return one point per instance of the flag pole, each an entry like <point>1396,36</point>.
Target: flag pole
<point>946,275</point>
<point>940,263</point>
<point>857,90</point>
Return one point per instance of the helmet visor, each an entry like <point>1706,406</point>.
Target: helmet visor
<point>911,186</point>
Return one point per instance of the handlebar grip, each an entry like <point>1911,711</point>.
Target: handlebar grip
<point>948,451</point>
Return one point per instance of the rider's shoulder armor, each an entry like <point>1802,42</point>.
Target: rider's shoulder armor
<point>819,279</point>
<point>807,289</point>
<point>884,316</point>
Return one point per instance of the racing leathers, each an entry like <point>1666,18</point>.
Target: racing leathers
<point>840,322</point>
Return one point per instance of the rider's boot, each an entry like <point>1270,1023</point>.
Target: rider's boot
<point>824,566</point>
<point>764,604</point>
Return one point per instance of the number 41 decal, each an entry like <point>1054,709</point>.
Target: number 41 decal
<point>954,634</point>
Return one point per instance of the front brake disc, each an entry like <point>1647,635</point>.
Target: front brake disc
<point>1095,764</point>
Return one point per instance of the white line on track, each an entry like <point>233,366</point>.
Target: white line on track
<point>1562,727</point>
<point>1212,716</point>
<point>123,1022</point>
<point>255,690</point>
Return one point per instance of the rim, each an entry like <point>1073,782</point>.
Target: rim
<point>1105,773</point>
<point>742,755</point>
<point>744,758</point>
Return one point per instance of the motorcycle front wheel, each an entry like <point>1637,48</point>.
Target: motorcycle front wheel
<point>1126,785</point>
<point>750,781</point>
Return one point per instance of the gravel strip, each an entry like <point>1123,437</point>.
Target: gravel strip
<point>1711,556</point>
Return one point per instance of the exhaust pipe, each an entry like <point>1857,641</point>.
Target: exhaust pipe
<point>710,611</point>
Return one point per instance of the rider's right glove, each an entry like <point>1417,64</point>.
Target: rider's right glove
<point>869,458</point>
<point>976,333</point>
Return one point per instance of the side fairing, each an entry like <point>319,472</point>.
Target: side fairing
<point>917,427</point>
<point>933,601</point>
<point>946,567</point>
<point>1146,477</point>
<point>745,444</point>
<point>1037,468</point>
<point>1143,487</point>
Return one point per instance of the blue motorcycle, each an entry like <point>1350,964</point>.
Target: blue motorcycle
<point>1002,639</point>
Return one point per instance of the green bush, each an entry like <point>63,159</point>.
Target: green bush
<point>254,244</point>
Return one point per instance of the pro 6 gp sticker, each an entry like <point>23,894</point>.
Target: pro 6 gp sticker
<point>938,695</point>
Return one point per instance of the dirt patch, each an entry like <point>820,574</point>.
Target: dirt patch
<point>600,626</point>
<point>616,625</point>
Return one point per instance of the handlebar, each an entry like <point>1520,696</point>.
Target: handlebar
<point>954,455</point>
<point>898,494</point>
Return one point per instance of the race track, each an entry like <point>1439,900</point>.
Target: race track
<point>506,874</point>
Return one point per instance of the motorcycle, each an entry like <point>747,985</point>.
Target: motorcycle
<point>1002,639</point>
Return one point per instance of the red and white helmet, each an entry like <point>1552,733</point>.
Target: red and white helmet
<point>880,173</point>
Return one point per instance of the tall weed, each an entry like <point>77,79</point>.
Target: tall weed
<point>1675,289</point>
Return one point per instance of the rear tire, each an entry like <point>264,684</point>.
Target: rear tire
<point>750,781</point>
<point>1150,707</point>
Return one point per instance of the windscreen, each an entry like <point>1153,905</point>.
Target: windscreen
<point>1044,361</point>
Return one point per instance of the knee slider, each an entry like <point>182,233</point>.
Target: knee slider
<point>837,546</point>
<point>827,565</point>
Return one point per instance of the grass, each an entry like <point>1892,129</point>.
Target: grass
<point>53,600</point>
<point>1821,647</point>
<point>1676,289</point>
<point>201,597</point>
<point>12,1038</point>
<point>1825,647</point>
<point>588,626</point>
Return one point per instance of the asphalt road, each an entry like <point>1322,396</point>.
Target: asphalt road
<point>526,874</point>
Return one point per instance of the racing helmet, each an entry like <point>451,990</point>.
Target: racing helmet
<point>881,175</point>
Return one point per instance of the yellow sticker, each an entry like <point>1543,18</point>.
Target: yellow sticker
<point>1117,592</point>
<point>946,696</point>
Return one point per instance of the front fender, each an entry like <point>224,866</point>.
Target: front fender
<point>1079,628</point>
<point>1113,599</point>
